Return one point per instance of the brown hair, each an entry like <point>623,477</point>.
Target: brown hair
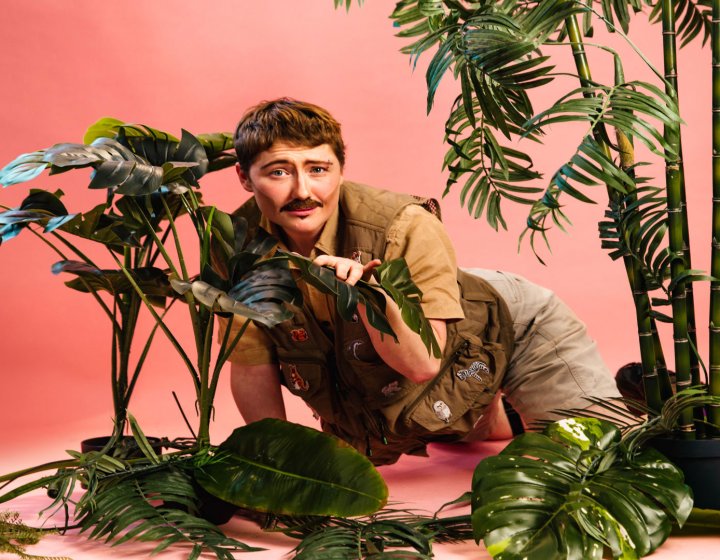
<point>287,120</point>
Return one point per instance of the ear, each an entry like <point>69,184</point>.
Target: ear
<point>244,179</point>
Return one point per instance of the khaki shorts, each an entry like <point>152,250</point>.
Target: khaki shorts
<point>555,363</point>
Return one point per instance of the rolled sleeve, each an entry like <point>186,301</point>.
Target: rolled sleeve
<point>421,239</point>
<point>254,347</point>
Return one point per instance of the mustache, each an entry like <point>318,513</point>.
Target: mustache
<point>298,204</point>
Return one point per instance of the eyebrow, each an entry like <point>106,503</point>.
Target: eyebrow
<point>306,162</point>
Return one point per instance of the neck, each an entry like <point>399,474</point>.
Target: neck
<point>303,246</point>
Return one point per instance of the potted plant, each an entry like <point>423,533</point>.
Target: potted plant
<point>499,53</point>
<point>265,466</point>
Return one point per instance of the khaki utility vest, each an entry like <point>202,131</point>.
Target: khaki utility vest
<point>341,377</point>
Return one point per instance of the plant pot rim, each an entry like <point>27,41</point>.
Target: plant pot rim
<point>687,447</point>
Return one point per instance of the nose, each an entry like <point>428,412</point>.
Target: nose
<point>301,188</point>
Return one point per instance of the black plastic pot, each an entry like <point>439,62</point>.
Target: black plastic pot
<point>700,462</point>
<point>130,449</point>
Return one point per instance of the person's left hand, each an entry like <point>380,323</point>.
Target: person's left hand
<point>347,269</point>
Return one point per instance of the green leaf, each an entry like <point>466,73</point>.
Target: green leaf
<point>23,168</point>
<point>571,491</point>
<point>153,281</point>
<point>108,127</point>
<point>143,444</point>
<point>280,467</point>
<point>265,306</point>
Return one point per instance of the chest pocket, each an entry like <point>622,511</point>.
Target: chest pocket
<point>364,373</point>
<point>307,378</point>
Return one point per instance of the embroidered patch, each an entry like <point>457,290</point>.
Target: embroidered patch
<point>354,318</point>
<point>299,335</point>
<point>297,382</point>
<point>442,411</point>
<point>354,345</point>
<point>357,256</point>
<point>474,371</point>
<point>390,389</point>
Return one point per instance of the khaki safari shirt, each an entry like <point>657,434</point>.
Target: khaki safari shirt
<point>416,234</point>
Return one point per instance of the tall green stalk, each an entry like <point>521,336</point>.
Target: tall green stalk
<point>634,274</point>
<point>676,227</point>
<point>714,367</point>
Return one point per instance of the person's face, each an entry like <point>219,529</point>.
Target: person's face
<point>297,188</point>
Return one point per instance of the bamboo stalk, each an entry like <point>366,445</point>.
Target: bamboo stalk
<point>637,283</point>
<point>714,366</point>
<point>676,219</point>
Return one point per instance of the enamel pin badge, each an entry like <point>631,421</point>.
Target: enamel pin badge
<point>442,411</point>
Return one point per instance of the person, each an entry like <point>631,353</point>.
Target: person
<point>499,333</point>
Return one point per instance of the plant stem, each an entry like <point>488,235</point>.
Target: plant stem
<point>714,367</point>
<point>635,278</point>
<point>676,228</point>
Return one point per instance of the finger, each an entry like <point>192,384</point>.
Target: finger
<point>354,274</point>
<point>323,260</point>
<point>343,267</point>
<point>368,269</point>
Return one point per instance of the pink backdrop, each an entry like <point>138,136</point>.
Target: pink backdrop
<point>183,64</point>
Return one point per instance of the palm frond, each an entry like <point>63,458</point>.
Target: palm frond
<point>636,226</point>
<point>630,107</point>
<point>692,17</point>
<point>388,534</point>
<point>491,171</point>
<point>124,508</point>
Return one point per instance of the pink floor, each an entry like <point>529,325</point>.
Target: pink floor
<point>417,483</point>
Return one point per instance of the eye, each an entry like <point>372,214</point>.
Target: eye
<point>277,173</point>
<point>317,169</point>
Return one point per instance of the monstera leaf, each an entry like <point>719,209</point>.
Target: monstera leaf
<point>285,468</point>
<point>134,164</point>
<point>268,290</point>
<point>571,491</point>
<point>39,207</point>
<point>151,280</point>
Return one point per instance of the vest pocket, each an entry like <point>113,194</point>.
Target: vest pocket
<point>305,378</point>
<point>457,397</point>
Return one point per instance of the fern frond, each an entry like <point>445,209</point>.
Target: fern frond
<point>15,536</point>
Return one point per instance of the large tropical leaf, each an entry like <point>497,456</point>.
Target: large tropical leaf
<point>133,160</point>
<point>39,207</point>
<point>571,491</point>
<point>266,295</point>
<point>153,281</point>
<point>280,467</point>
